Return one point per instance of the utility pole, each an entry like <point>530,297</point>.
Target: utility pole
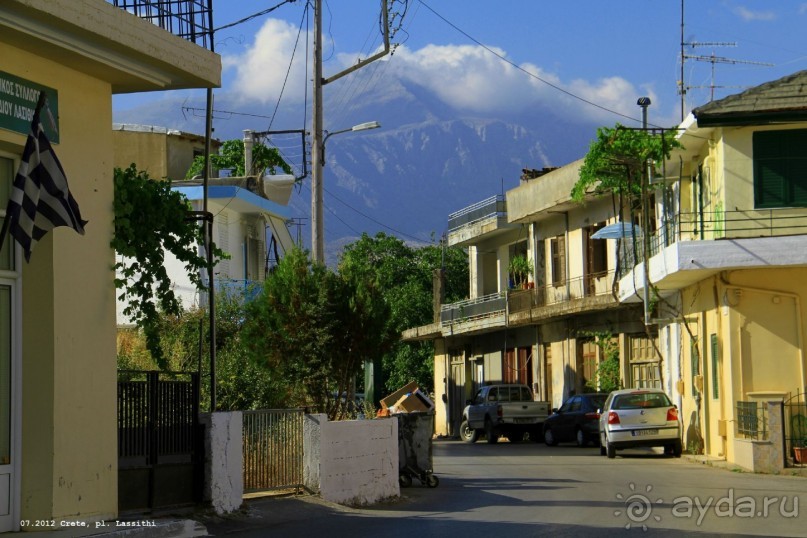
<point>644,102</point>
<point>317,151</point>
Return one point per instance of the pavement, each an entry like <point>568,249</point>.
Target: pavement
<point>257,512</point>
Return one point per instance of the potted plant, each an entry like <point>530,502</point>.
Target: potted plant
<point>798,431</point>
<point>520,270</point>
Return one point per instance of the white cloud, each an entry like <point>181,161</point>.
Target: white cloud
<point>466,77</point>
<point>261,69</point>
<point>749,15</point>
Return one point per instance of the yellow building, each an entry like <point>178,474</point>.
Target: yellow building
<point>729,262</point>
<point>58,431</point>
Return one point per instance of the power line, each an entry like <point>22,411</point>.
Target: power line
<point>536,77</point>
<point>250,17</point>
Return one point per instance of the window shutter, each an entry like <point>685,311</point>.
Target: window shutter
<point>780,168</point>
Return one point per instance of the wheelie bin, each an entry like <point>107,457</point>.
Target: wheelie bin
<point>415,432</point>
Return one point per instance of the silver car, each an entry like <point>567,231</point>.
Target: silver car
<point>639,417</point>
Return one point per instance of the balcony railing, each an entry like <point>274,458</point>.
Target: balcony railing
<point>575,289</point>
<point>188,19</point>
<point>495,206</point>
<point>473,309</point>
<point>234,288</point>
<point>708,226</point>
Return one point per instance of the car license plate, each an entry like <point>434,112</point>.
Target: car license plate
<point>522,420</point>
<point>639,433</point>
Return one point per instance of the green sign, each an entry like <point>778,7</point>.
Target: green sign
<point>18,98</point>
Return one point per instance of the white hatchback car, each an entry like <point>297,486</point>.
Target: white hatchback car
<point>639,417</point>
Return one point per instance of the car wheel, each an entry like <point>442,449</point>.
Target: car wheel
<point>580,437</point>
<point>490,432</point>
<point>610,451</point>
<point>549,437</point>
<point>602,444</point>
<point>432,481</point>
<point>404,480</point>
<point>468,434</point>
<point>678,448</point>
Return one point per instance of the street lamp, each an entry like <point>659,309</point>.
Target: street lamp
<point>317,162</point>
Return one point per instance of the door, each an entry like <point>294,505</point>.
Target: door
<point>9,364</point>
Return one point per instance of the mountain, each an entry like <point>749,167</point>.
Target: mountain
<point>427,161</point>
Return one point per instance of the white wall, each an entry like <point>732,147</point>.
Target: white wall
<point>353,462</point>
<point>224,476</point>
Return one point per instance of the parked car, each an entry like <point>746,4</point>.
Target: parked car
<point>507,409</point>
<point>639,417</point>
<point>578,419</point>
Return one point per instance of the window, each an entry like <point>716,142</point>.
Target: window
<point>516,366</point>
<point>557,246</point>
<point>780,168</point>
<point>644,364</point>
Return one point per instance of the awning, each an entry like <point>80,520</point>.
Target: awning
<point>617,230</point>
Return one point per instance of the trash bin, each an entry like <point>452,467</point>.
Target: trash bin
<point>415,448</point>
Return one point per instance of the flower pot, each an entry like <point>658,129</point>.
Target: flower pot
<point>800,454</point>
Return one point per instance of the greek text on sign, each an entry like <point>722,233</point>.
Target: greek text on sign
<point>18,98</point>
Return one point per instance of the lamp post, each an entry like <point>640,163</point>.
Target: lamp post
<point>317,163</point>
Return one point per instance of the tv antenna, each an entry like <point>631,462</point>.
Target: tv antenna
<point>682,87</point>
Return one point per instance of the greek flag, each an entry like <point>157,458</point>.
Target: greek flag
<point>40,199</point>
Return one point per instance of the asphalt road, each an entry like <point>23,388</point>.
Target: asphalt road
<point>529,489</point>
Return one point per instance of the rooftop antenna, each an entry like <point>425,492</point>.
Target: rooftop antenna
<point>682,87</point>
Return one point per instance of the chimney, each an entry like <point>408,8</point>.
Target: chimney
<point>248,143</point>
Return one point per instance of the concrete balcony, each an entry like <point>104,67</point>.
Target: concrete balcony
<point>695,247</point>
<point>487,219</point>
<point>474,315</point>
<point>578,295</point>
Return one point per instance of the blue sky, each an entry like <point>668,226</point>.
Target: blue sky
<point>602,52</point>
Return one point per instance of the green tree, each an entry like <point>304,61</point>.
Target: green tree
<point>231,157</point>
<point>405,275</point>
<point>150,220</point>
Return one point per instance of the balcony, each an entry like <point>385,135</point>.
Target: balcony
<point>474,315</point>
<point>695,246</point>
<point>485,218</point>
<point>188,19</point>
<point>577,295</point>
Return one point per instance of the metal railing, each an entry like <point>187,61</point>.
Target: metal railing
<point>715,225</point>
<point>273,449</point>
<point>471,309</point>
<point>495,206</point>
<point>188,19</point>
<point>752,420</point>
<point>574,289</point>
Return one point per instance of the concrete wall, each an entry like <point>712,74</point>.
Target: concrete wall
<point>351,462</point>
<point>224,460</point>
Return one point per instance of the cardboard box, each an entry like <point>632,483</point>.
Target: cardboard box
<point>408,399</point>
<point>393,398</point>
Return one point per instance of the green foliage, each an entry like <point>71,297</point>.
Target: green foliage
<point>405,275</point>
<point>151,219</point>
<point>617,157</point>
<point>607,376</point>
<point>520,269</point>
<point>231,157</point>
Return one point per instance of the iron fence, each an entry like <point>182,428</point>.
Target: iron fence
<point>795,424</point>
<point>471,309</point>
<point>273,449</point>
<point>495,206</point>
<point>188,19</point>
<point>599,284</point>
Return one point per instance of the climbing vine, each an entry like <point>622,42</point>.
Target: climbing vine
<point>150,221</point>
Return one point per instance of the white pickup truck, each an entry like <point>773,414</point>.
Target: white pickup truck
<point>507,410</point>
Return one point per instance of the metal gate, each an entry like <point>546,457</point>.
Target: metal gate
<point>160,444</point>
<point>795,425</point>
<point>273,449</point>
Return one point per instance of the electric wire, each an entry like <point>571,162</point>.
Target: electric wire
<point>536,77</point>
<point>288,70</point>
<point>253,16</point>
